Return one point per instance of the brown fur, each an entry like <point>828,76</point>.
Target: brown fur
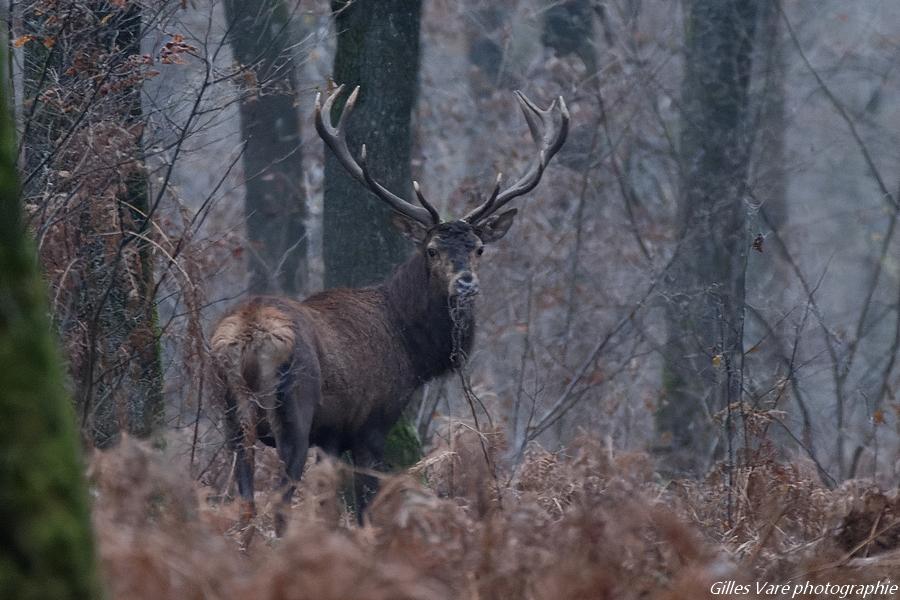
<point>338,369</point>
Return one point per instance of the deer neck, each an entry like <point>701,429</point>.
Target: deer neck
<point>436,332</point>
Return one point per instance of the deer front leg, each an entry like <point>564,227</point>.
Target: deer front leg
<point>294,416</point>
<point>368,456</point>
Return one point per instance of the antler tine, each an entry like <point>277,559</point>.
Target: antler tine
<point>530,110</point>
<point>549,141</point>
<point>328,132</point>
<point>475,216</point>
<point>335,139</point>
<point>426,204</point>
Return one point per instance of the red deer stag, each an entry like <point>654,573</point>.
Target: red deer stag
<point>337,369</point>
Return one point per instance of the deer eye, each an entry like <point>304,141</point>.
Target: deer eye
<point>432,252</point>
<point>480,251</point>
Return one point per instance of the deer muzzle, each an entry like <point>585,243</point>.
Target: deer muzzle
<point>465,285</point>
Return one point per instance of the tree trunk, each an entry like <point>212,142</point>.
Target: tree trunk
<point>705,284</point>
<point>769,145</point>
<point>378,50</point>
<point>47,546</point>
<point>275,205</point>
<point>87,196</point>
<point>768,272</point>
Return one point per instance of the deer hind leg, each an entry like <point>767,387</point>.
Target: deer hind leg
<point>243,473</point>
<point>241,442</point>
<point>297,396</point>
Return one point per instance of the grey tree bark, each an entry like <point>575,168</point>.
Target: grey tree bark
<point>275,203</point>
<point>378,50</point>
<point>769,145</point>
<point>768,272</point>
<point>705,285</point>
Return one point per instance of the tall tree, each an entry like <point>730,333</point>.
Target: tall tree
<point>87,198</point>
<point>768,272</point>
<point>46,546</point>
<point>275,206</point>
<point>705,282</point>
<point>377,50</point>
<point>770,143</point>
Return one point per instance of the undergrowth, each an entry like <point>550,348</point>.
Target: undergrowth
<point>583,523</point>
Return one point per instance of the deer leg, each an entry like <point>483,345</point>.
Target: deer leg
<point>243,474</point>
<point>292,424</point>
<point>368,455</point>
<point>242,445</point>
<point>330,444</point>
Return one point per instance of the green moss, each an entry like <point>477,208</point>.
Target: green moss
<point>403,448</point>
<point>46,547</point>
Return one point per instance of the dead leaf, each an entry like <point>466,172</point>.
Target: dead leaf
<point>22,40</point>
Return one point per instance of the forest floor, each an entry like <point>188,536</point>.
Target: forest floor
<point>583,523</point>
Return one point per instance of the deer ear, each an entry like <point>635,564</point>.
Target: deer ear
<point>496,227</point>
<point>409,228</point>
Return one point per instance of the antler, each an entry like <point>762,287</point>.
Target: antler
<point>335,138</point>
<point>549,142</point>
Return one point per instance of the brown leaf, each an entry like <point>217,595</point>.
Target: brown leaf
<point>22,40</point>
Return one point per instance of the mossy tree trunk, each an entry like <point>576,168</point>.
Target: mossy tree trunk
<point>378,50</point>
<point>275,204</point>
<point>705,284</point>
<point>86,195</point>
<point>46,546</point>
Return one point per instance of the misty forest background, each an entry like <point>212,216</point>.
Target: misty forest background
<point>701,300</point>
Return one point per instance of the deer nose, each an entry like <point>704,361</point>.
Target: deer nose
<point>466,284</point>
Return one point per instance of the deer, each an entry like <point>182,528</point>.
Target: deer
<point>337,369</point>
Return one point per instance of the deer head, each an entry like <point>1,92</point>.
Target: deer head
<point>452,248</point>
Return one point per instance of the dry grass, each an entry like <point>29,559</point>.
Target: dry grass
<point>587,523</point>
